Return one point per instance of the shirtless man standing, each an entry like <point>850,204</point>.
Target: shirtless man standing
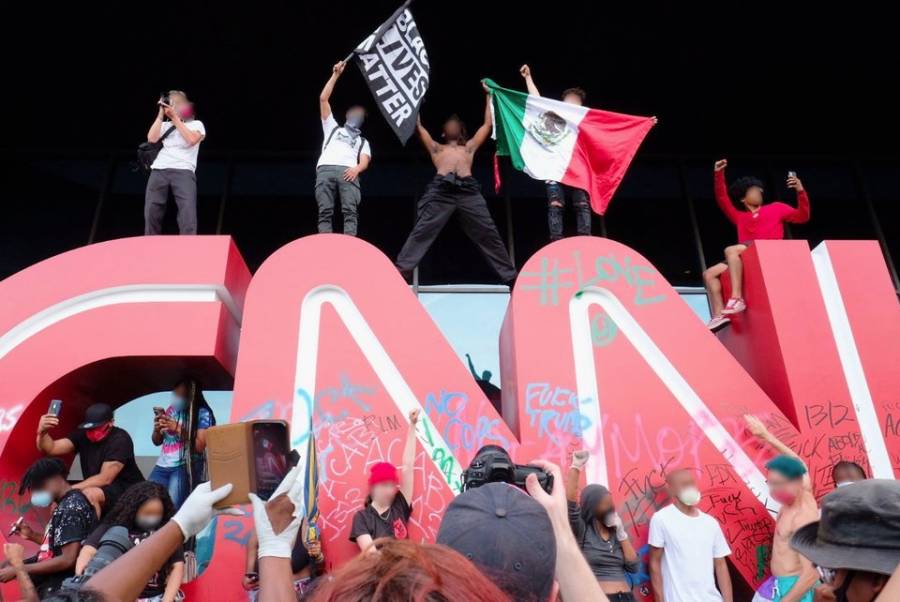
<point>790,485</point>
<point>454,189</point>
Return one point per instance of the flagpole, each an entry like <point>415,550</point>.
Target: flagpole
<point>380,31</point>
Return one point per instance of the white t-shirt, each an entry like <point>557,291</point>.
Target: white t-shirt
<point>339,150</point>
<point>689,543</point>
<point>176,153</point>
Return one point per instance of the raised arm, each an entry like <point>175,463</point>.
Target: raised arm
<point>427,141</point>
<point>484,132</point>
<point>579,459</point>
<point>325,94</point>
<point>46,444</point>
<point>759,430</point>
<point>525,71</point>
<point>721,191</point>
<point>800,214</point>
<point>155,131</point>
<point>407,477</point>
<point>472,367</point>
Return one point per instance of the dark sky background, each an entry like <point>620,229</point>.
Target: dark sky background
<point>724,78</point>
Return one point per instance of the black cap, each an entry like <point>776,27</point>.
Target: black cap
<point>859,529</point>
<point>507,534</point>
<point>97,414</point>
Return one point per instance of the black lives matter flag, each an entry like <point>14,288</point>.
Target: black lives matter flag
<point>394,62</point>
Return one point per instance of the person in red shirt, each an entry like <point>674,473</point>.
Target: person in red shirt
<point>755,222</point>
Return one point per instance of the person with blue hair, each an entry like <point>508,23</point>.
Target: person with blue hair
<point>790,486</point>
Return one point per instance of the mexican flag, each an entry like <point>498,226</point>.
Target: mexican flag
<point>553,140</point>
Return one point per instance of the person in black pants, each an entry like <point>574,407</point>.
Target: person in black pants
<point>454,189</point>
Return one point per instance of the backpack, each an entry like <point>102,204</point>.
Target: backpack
<point>148,151</point>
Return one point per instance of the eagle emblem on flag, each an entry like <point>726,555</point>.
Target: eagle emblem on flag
<point>549,128</point>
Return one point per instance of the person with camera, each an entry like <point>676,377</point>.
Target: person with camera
<point>106,452</point>
<point>600,533</point>
<point>181,431</point>
<point>142,510</point>
<point>387,509</point>
<point>522,541</point>
<point>175,165</point>
<point>345,155</point>
<point>72,520</point>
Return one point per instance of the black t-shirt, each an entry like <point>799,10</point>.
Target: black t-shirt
<point>72,521</point>
<point>390,524</point>
<point>117,446</point>
<point>157,584</point>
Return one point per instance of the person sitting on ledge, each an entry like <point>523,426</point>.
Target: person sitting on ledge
<point>108,466</point>
<point>755,222</point>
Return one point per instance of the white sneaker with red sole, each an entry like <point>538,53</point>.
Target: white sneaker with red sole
<point>718,323</point>
<point>734,306</point>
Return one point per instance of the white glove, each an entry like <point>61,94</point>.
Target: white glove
<point>272,544</point>
<point>616,522</point>
<point>197,510</point>
<point>579,459</point>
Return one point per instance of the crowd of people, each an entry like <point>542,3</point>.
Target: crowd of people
<point>115,536</point>
<point>345,154</point>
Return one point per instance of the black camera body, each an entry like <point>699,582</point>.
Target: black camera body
<point>493,464</point>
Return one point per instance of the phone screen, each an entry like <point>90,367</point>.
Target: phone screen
<point>55,407</point>
<point>270,454</point>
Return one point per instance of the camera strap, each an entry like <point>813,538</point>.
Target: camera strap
<point>166,133</point>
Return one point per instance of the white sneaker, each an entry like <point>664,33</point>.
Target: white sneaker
<point>734,306</point>
<point>718,323</point>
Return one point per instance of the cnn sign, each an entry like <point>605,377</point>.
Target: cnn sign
<point>597,352</point>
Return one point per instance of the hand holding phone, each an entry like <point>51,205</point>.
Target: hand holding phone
<point>252,456</point>
<point>16,526</point>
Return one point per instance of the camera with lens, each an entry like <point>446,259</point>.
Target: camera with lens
<point>493,464</point>
<point>115,542</point>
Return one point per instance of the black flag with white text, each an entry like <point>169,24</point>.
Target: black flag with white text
<point>394,62</point>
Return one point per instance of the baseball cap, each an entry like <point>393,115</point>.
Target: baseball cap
<point>96,415</point>
<point>859,529</point>
<point>383,471</point>
<point>508,536</point>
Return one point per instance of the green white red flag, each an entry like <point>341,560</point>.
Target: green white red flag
<point>549,139</point>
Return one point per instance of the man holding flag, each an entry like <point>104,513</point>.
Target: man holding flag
<point>454,189</point>
<point>556,192</point>
<point>585,149</point>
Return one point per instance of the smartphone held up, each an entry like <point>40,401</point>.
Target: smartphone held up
<point>253,456</point>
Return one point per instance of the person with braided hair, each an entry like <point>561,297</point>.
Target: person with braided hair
<point>143,509</point>
<point>181,431</point>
